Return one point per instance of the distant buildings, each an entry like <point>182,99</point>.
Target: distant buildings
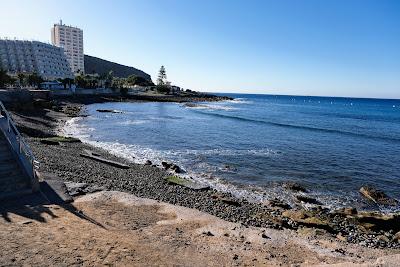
<point>71,39</point>
<point>46,60</point>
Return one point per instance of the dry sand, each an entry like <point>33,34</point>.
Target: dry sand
<point>114,228</point>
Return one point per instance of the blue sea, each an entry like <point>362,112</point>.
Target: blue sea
<point>251,145</point>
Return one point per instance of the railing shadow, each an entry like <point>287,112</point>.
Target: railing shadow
<point>35,206</point>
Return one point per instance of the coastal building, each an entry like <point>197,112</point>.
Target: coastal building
<point>20,56</point>
<point>71,39</point>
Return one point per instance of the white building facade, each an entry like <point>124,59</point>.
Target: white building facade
<point>71,39</point>
<point>48,61</point>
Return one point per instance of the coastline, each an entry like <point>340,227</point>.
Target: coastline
<point>149,182</point>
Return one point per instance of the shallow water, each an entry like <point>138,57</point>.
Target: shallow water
<point>250,145</point>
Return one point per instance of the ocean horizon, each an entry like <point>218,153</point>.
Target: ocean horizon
<point>254,144</point>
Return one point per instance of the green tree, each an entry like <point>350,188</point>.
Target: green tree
<point>34,80</point>
<point>138,80</point>
<point>109,79</point>
<point>162,76</point>
<point>66,81</point>
<point>22,79</point>
<point>80,81</point>
<point>162,83</point>
<point>5,79</point>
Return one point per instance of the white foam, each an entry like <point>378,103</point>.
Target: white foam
<point>132,122</point>
<point>239,101</point>
<point>209,107</point>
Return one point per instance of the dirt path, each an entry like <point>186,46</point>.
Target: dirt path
<point>113,228</point>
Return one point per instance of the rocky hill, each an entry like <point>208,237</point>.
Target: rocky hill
<point>100,66</point>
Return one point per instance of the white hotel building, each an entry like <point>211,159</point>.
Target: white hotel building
<point>71,39</point>
<point>48,61</point>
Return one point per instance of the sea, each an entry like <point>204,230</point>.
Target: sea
<point>252,145</point>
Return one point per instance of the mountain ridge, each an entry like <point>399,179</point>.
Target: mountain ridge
<point>101,66</point>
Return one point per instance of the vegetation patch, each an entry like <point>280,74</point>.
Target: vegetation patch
<point>173,179</point>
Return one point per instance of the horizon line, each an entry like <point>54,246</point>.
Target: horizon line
<point>354,97</point>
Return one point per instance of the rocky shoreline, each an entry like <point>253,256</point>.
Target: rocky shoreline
<point>369,229</point>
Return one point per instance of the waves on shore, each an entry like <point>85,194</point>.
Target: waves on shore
<point>140,154</point>
<point>251,147</point>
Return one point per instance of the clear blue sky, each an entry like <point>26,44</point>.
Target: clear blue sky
<point>321,47</point>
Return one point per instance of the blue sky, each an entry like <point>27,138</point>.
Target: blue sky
<point>309,47</point>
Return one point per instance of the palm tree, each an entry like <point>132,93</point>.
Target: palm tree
<point>21,79</point>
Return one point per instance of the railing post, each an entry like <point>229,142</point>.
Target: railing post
<point>8,124</point>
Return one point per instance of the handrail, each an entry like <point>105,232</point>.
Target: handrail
<point>23,146</point>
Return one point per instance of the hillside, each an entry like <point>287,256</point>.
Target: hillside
<point>100,66</point>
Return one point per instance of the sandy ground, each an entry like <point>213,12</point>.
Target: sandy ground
<point>114,228</point>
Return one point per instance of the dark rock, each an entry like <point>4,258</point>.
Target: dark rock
<point>341,251</point>
<point>263,235</point>
<point>148,162</point>
<point>377,196</point>
<point>226,200</point>
<point>382,238</point>
<point>278,203</point>
<point>49,142</point>
<point>307,199</point>
<point>293,186</point>
<point>376,221</point>
<point>346,211</point>
<point>76,189</point>
<point>208,233</point>
<point>176,168</point>
<point>305,218</point>
<point>108,111</point>
<point>42,103</point>
<point>235,257</point>
<point>166,165</point>
<point>396,237</point>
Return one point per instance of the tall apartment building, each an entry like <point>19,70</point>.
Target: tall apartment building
<point>44,59</point>
<point>71,39</point>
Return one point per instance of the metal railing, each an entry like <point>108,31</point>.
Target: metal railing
<point>22,147</point>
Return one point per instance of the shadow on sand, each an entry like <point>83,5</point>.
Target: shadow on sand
<point>34,206</point>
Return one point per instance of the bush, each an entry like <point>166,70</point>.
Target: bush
<point>5,79</point>
<point>162,88</point>
<point>124,91</point>
<point>137,80</point>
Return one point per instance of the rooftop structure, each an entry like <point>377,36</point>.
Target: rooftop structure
<point>71,39</point>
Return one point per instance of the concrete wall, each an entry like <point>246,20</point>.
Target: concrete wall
<point>20,96</point>
<point>80,91</point>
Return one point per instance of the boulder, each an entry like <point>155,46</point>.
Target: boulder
<point>377,196</point>
<point>377,221</point>
<point>166,165</point>
<point>293,186</point>
<point>307,219</point>
<point>176,168</point>
<point>278,203</point>
<point>108,111</point>
<point>42,103</point>
<point>307,199</point>
<point>396,237</point>
<point>346,211</point>
<point>49,142</point>
<point>148,162</point>
<point>226,200</point>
